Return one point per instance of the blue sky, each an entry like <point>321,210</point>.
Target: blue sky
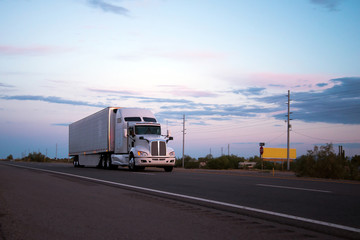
<point>227,65</point>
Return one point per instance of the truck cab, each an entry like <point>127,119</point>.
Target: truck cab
<point>139,143</point>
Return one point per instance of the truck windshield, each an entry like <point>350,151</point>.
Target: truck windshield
<point>142,130</point>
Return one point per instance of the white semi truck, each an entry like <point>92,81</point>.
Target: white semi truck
<point>120,137</point>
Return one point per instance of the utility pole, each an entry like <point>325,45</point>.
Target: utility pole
<point>288,131</point>
<point>228,149</point>
<point>56,153</point>
<point>183,148</point>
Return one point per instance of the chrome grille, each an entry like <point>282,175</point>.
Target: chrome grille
<point>158,148</point>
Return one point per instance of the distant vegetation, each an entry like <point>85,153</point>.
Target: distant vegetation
<point>323,162</point>
<point>320,162</point>
<point>37,157</point>
<point>228,162</point>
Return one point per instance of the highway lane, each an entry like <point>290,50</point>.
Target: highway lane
<point>43,205</point>
<point>330,201</point>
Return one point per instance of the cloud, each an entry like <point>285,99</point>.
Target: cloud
<point>331,5</point>
<point>32,50</point>
<point>125,94</point>
<point>112,91</point>
<point>250,91</point>
<point>277,85</point>
<point>4,85</point>
<point>51,99</point>
<point>274,81</point>
<point>213,111</point>
<point>187,92</point>
<point>322,84</point>
<point>170,89</point>
<point>157,100</point>
<point>107,7</point>
<point>339,103</point>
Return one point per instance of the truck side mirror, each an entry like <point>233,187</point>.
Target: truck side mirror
<point>168,134</point>
<point>125,133</point>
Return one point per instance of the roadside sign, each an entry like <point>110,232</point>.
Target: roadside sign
<point>261,150</point>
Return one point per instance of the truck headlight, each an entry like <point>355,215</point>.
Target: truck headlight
<point>142,154</point>
<point>172,154</point>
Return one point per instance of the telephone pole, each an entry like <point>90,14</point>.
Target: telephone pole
<point>288,131</point>
<point>183,148</point>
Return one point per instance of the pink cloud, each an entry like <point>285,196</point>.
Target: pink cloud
<point>32,50</point>
<point>126,92</point>
<point>293,81</point>
<point>281,81</point>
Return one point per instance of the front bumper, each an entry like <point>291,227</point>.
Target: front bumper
<point>154,161</point>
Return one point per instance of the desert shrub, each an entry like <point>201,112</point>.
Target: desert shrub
<point>321,162</point>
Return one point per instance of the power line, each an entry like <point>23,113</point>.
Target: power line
<point>269,141</point>
<point>324,139</point>
<point>230,127</point>
<point>342,126</point>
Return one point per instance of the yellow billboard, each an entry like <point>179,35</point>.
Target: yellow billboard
<point>278,153</point>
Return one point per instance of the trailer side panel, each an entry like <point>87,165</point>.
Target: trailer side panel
<point>92,134</point>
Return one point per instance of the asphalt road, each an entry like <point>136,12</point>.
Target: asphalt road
<point>64,207</point>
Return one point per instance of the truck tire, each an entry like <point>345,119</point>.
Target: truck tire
<point>106,163</point>
<point>168,169</point>
<point>76,161</point>
<point>132,165</point>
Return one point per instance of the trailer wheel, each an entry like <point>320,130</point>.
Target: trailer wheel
<point>132,166</point>
<point>76,162</point>
<point>168,169</point>
<point>106,163</point>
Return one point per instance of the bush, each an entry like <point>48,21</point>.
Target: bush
<point>187,159</point>
<point>192,164</point>
<point>218,163</point>
<point>35,157</point>
<point>324,163</point>
<point>266,165</point>
<point>224,162</point>
<point>354,168</point>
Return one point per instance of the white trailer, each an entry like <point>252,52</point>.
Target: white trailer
<point>120,137</point>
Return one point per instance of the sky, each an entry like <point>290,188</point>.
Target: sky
<point>226,65</point>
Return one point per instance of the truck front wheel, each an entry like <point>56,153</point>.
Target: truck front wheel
<point>132,166</point>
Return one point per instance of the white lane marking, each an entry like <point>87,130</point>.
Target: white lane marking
<point>333,225</point>
<point>294,188</point>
